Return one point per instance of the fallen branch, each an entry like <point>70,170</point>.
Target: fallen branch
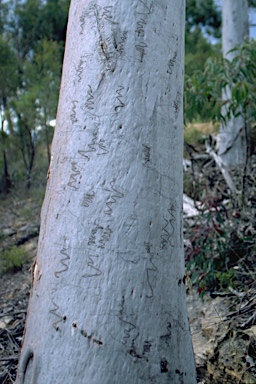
<point>223,168</point>
<point>8,358</point>
<point>248,321</point>
<point>24,239</point>
<point>189,207</point>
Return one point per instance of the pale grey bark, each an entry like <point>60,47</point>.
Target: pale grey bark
<point>235,28</point>
<point>108,300</point>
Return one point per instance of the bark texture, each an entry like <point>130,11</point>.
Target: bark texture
<point>235,28</point>
<point>108,298</point>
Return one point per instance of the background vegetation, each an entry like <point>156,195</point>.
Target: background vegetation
<point>32,39</point>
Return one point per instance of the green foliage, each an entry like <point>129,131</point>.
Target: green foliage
<point>3,16</point>
<point>218,246</point>
<point>55,17</point>
<point>3,139</point>
<point>202,19</point>
<point>37,102</point>
<point>9,67</point>
<point>37,20</point>
<point>28,22</point>
<point>198,50</point>
<point>252,3</point>
<point>207,256</point>
<point>30,70</point>
<point>47,70</point>
<point>12,258</point>
<point>193,135</point>
<point>203,90</point>
<point>203,13</point>
<point>226,279</point>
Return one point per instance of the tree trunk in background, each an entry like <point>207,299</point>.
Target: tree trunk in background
<point>232,143</point>
<point>5,181</point>
<point>108,302</point>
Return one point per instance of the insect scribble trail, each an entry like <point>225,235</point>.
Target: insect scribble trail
<point>96,145</point>
<point>73,115</point>
<point>171,63</point>
<point>100,236</point>
<point>80,70</point>
<point>127,331</point>
<point>150,269</point>
<point>91,264</point>
<point>59,317</point>
<point>90,99</point>
<point>166,338</point>
<point>88,199</point>
<point>107,14</point>
<point>168,230</point>
<point>63,261</point>
<point>119,98</point>
<point>115,194</point>
<point>73,180</point>
<point>177,104</point>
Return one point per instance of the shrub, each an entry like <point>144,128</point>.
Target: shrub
<point>12,259</point>
<point>219,248</point>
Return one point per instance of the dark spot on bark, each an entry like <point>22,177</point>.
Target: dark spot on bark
<point>115,44</point>
<point>133,353</point>
<point>83,333</point>
<point>183,280</point>
<point>74,325</point>
<point>164,366</point>
<point>102,45</point>
<point>147,346</point>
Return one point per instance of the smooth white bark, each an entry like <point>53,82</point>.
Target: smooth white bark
<point>108,299</point>
<point>235,28</point>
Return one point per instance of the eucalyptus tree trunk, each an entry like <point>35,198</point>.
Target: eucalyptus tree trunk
<point>232,144</point>
<point>108,298</point>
